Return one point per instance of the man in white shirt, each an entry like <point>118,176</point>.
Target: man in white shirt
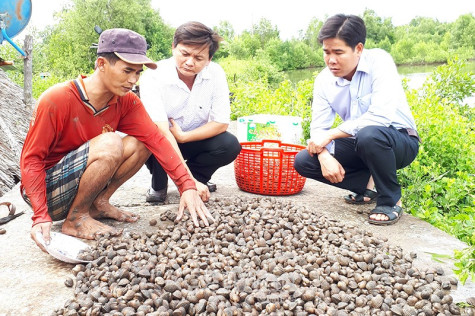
<point>188,99</point>
<point>378,134</point>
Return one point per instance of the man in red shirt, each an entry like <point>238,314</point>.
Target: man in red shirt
<point>72,161</point>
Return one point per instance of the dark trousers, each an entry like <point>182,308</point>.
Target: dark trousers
<point>203,158</point>
<point>376,150</point>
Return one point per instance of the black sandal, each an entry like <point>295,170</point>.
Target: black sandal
<point>393,213</point>
<point>11,213</point>
<point>359,198</point>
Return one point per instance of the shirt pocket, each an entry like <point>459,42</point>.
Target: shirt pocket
<point>203,108</point>
<point>364,102</point>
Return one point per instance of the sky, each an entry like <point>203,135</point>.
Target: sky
<point>290,16</point>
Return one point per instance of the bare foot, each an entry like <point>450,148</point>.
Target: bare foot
<point>87,227</point>
<point>383,217</point>
<point>106,210</point>
<point>365,198</point>
<point>379,217</point>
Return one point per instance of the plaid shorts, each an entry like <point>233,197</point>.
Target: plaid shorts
<point>62,182</point>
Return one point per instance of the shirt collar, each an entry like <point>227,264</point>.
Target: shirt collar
<point>85,99</point>
<point>340,81</point>
<point>363,66</point>
<point>172,76</point>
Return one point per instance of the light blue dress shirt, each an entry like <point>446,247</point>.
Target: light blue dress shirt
<point>374,96</point>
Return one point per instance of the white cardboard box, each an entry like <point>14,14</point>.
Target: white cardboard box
<point>287,129</point>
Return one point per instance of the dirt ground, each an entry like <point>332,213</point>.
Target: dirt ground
<point>32,282</point>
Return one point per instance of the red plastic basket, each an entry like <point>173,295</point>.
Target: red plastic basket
<point>267,167</point>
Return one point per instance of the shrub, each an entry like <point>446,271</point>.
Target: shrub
<point>239,70</point>
<point>251,97</point>
<point>439,186</point>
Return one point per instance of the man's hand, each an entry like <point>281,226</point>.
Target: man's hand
<point>332,170</point>
<point>317,144</point>
<point>203,191</point>
<point>191,200</point>
<point>177,132</point>
<point>44,229</point>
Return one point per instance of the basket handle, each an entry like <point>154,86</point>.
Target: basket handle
<point>277,149</point>
<point>280,152</point>
<point>271,141</point>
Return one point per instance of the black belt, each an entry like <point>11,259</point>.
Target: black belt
<point>411,132</point>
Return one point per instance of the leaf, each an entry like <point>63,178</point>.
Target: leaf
<point>437,257</point>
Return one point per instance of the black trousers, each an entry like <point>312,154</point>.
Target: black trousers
<point>203,158</point>
<point>376,150</point>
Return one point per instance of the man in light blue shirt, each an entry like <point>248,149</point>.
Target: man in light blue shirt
<point>378,134</point>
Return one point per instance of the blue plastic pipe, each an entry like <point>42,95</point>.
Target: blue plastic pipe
<point>5,36</point>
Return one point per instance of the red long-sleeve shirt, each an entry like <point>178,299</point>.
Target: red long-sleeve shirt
<point>62,122</point>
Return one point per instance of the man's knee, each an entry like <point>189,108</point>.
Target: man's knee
<point>302,162</point>
<point>229,147</point>
<point>134,146</point>
<point>107,147</point>
<point>234,147</point>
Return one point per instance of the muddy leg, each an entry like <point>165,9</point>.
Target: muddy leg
<point>135,155</point>
<point>105,157</point>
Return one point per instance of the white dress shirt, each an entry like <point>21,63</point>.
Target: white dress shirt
<point>374,96</point>
<point>165,96</point>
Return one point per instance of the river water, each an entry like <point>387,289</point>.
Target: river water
<point>416,78</point>
<point>416,75</point>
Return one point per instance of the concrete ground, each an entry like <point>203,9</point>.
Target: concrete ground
<point>32,282</point>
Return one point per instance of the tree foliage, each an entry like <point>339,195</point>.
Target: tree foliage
<point>67,44</point>
<point>64,48</point>
<point>262,41</point>
<point>378,29</point>
<point>226,31</point>
<point>265,31</point>
<point>311,34</point>
<point>463,32</point>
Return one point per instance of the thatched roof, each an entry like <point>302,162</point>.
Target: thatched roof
<point>14,119</point>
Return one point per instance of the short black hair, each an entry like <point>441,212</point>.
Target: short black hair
<point>112,58</point>
<point>197,34</point>
<point>349,28</point>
